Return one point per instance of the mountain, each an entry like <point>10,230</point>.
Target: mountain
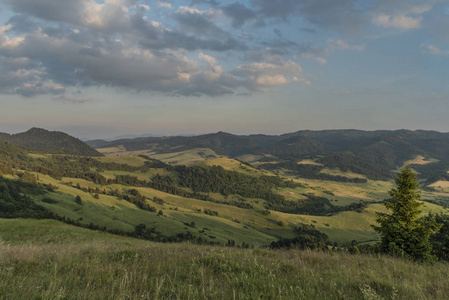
<point>52,141</point>
<point>371,153</point>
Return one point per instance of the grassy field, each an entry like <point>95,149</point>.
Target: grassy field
<point>49,260</point>
<point>242,225</point>
<point>233,165</point>
<point>182,157</point>
<point>420,160</point>
<point>251,226</point>
<point>132,160</point>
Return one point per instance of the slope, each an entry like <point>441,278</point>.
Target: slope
<point>51,141</point>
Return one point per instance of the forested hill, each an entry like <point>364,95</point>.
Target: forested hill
<point>372,153</point>
<point>49,141</point>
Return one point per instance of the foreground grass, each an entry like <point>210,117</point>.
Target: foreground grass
<point>50,260</point>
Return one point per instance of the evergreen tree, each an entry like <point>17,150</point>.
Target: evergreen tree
<point>403,232</point>
<point>78,200</point>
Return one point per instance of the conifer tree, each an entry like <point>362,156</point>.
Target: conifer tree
<point>403,232</point>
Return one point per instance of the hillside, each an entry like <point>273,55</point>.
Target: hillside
<point>49,141</point>
<point>43,259</point>
<point>374,154</point>
<point>204,197</point>
<point>211,201</point>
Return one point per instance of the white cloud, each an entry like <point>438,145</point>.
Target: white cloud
<point>432,49</point>
<point>268,80</point>
<point>340,44</point>
<point>162,4</point>
<point>400,21</point>
<point>319,59</point>
<point>275,72</point>
<point>407,18</point>
<point>302,80</point>
<point>206,58</point>
<point>142,7</point>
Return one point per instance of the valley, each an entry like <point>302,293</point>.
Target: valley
<point>177,192</point>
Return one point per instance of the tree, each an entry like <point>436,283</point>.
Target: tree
<point>403,232</point>
<point>78,200</point>
<point>440,239</point>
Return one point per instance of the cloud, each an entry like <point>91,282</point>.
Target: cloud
<point>142,7</point>
<point>206,58</point>
<point>54,47</point>
<point>108,16</point>
<point>162,4</point>
<point>262,75</point>
<point>200,22</point>
<point>406,18</point>
<point>400,21</point>
<point>313,56</point>
<point>74,100</point>
<point>280,9</point>
<point>272,80</point>
<point>197,29</point>
<point>433,50</point>
<point>239,13</point>
<point>339,16</point>
<point>111,63</point>
<point>303,80</point>
<point>209,2</point>
<point>340,44</point>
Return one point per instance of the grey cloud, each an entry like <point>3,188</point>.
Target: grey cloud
<point>209,2</point>
<point>90,51</point>
<point>199,23</point>
<point>276,9</point>
<point>21,23</point>
<point>29,90</point>
<point>338,15</point>
<point>288,47</point>
<point>43,64</point>
<point>54,10</point>
<point>74,100</point>
<point>172,39</point>
<point>71,63</point>
<point>108,17</point>
<point>213,84</point>
<point>197,30</point>
<point>239,13</point>
<point>120,48</point>
<point>200,88</point>
<point>277,32</point>
<point>308,30</point>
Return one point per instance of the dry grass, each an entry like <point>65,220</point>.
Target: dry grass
<point>337,172</point>
<point>441,184</point>
<point>309,162</point>
<point>420,160</point>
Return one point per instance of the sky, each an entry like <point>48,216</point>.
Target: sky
<point>101,69</point>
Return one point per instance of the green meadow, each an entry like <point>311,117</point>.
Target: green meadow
<point>252,226</point>
<point>46,259</point>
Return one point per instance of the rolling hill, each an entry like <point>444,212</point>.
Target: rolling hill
<point>374,154</point>
<point>50,141</point>
<point>175,192</point>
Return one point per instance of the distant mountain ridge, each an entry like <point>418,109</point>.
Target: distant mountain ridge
<point>52,141</point>
<point>371,153</point>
